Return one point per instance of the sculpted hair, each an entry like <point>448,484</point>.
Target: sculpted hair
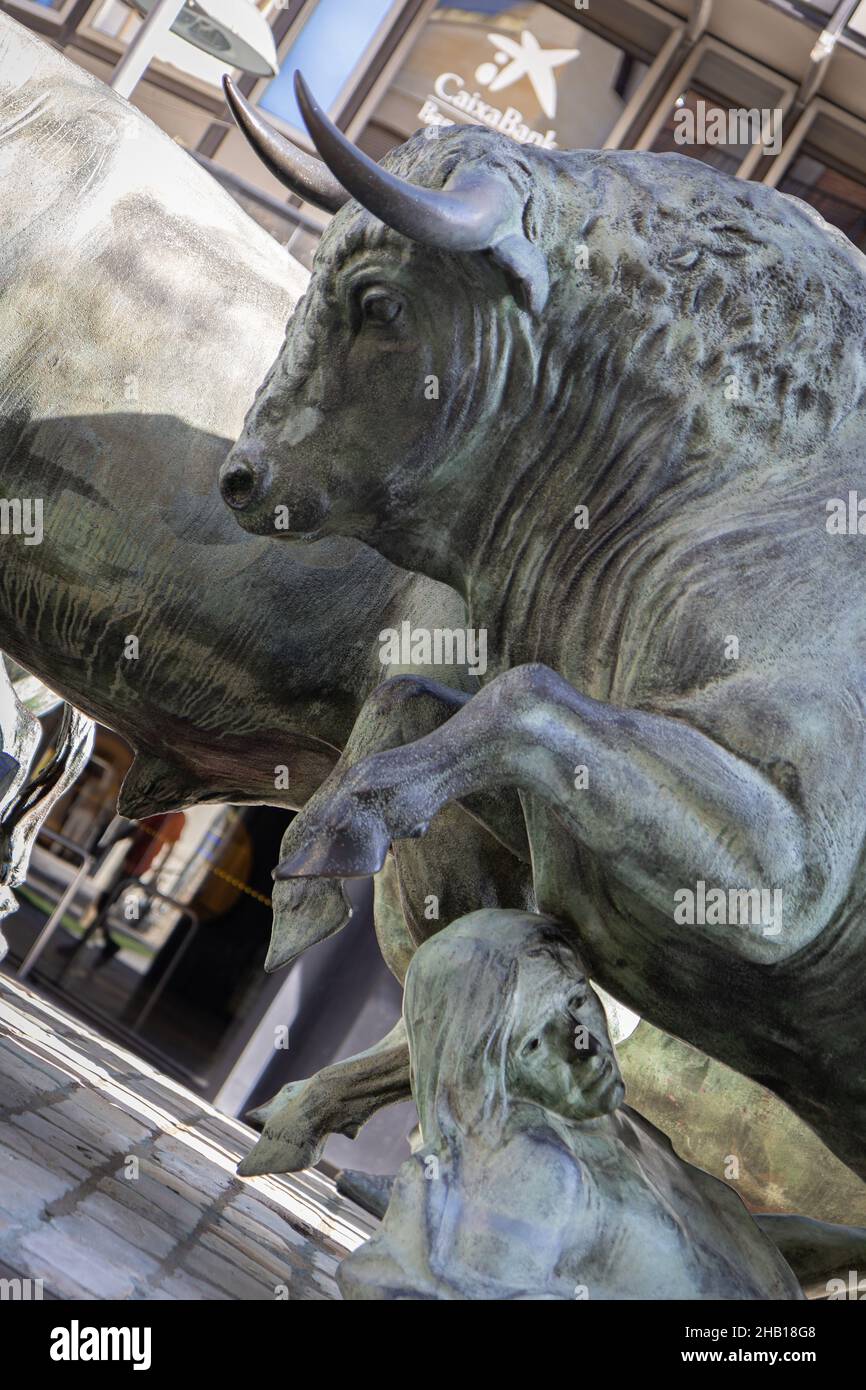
<point>461,1005</point>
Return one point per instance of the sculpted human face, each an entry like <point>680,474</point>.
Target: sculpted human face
<point>561,1055</point>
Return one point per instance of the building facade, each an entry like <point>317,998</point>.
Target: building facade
<point>773,90</point>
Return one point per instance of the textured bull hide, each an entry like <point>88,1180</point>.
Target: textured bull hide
<point>141,306</point>
<point>617,407</point>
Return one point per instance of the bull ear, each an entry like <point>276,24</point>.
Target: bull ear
<point>525,268</point>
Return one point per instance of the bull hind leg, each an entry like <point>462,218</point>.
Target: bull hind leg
<point>338,1100</point>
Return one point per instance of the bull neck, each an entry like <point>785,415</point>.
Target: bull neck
<point>505,560</point>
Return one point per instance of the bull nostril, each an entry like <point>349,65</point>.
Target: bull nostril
<point>237,484</point>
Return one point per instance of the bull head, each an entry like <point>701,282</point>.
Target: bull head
<point>477,211</point>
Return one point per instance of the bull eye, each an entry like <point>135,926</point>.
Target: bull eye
<point>379,307</point>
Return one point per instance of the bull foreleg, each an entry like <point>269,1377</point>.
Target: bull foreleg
<point>663,804</point>
<point>338,1100</point>
<point>460,866</point>
<point>467,861</point>
<point>432,878</point>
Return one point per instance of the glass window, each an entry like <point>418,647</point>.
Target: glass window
<point>828,168</point>
<point>722,109</point>
<point>724,154</point>
<point>522,68</point>
<point>54,6</point>
<point>114,18</point>
<point>330,46</point>
<point>857,22</point>
<point>838,196</point>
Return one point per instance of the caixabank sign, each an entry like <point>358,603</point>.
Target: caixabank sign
<point>513,61</point>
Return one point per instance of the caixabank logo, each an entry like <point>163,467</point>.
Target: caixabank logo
<point>453,97</point>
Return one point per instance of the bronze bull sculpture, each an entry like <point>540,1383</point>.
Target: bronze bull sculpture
<point>148,308</point>
<point>624,395</point>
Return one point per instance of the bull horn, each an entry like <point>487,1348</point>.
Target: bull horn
<point>469,218</point>
<point>309,178</point>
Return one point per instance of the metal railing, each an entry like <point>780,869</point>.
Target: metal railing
<point>184,909</point>
<point>65,900</point>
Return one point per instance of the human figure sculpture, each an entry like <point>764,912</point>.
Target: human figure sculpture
<point>533,1179</point>
<point>650,399</point>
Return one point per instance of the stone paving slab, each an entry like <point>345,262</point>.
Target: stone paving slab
<point>118,1182</point>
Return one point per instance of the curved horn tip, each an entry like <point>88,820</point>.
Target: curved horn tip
<point>232,94</point>
<point>305,99</point>
<point>303,175</point>
<point>456,219</point>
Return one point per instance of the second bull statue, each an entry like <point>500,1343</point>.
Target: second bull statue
<point>140,307</point>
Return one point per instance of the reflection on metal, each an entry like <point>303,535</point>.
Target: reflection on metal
<point>23,817</point>
<point>30,690</point>
<point>26,797</point>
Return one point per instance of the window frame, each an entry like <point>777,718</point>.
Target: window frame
<point>818,106</point>
<point>365,61</point>
<point>45,12</point>
<point>643,91</point>
<point>682,79</point>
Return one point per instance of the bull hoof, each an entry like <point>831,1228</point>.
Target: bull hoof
<point>281,1154</point>
<point>339,853</point>
<point>293,1139</point>
<point>260,1114</point>
<point>306,911</point>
